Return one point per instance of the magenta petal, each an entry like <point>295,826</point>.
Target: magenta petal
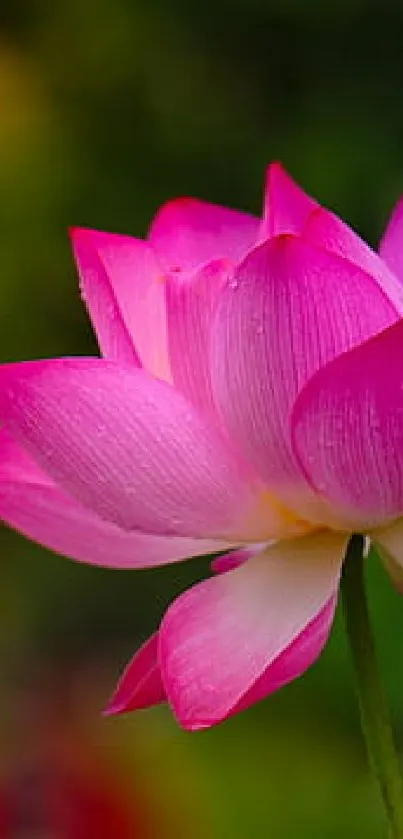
<point>131,448</point>
<point>289,310</point>
<point>191,301</point>
<point>348,430</point>
<point>219,640</point>
<point>186,233</point>
<point>326,230</point>
<point>391,247</point>
<point>140,685</point>
<point>31,503</point>
<point>286,205</point>
<point>100,298</point>
<point>233,559</point>
<point>123,287</point>
<point>295,659</point>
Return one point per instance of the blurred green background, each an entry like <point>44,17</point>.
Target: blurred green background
<point>106,110</point>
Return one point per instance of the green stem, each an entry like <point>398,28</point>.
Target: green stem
<point>375,717</point>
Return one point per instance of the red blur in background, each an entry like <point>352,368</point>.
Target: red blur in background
<point>59,782</point>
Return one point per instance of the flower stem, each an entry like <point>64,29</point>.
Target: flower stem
<point>375,719</point>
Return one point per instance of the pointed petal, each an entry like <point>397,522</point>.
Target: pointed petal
<point>348,430</point>
<point>223,636</point>
<point>191,301</point>
<point>114,339</point>
<point>186,233</point>
<point>290,309</point>
<point>140,685</point>
<point>123,287</point>
<point>326,230</point>
<point>286,205</point>
<point>31,503</point>
<point>133,450</point>
<point>391,247</point>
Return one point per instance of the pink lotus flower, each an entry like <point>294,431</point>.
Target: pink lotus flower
<point>250,396</point>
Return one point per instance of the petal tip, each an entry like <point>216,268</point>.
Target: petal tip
<point>192,726</point>
<point>114,709</point>
<point>274,167</point>
<point>75,232</point>
<point>110,711</point>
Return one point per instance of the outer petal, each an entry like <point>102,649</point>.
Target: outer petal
<point>290,309</point>
<point>123,287</point>
<point>220,639</point>
<point>186,233</point>
<point>191,302</point>
<point>326,230</point>
<point>391,247</point>
<point>99,296</point>
<point>296,658</point>
<point>140,685</point>
<point>133,450</point>
<point>348,430</point>
<point>32,503</point>
<point>390,542</point>
<point>286,205</point>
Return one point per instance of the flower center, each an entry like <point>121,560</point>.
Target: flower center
<point>271,519</point>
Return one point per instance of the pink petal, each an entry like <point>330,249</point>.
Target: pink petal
<point>186,233</point>
<point>348,430</point>
<point>290,309</point>
<point>389,542</point>
<point>133,450</point>
<point>220,639</point>
<point>140,685</point>
<point>326,230</point>
<point>123,286</point>
<point>191,300</point>
<point>98,294</point>
<point>286,205</point>
<point>233,559</point>
<point>32,503</point>
<point>296,658</point>
<point>391,247</point>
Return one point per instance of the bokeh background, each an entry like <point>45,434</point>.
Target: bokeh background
<point>106,110</point>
